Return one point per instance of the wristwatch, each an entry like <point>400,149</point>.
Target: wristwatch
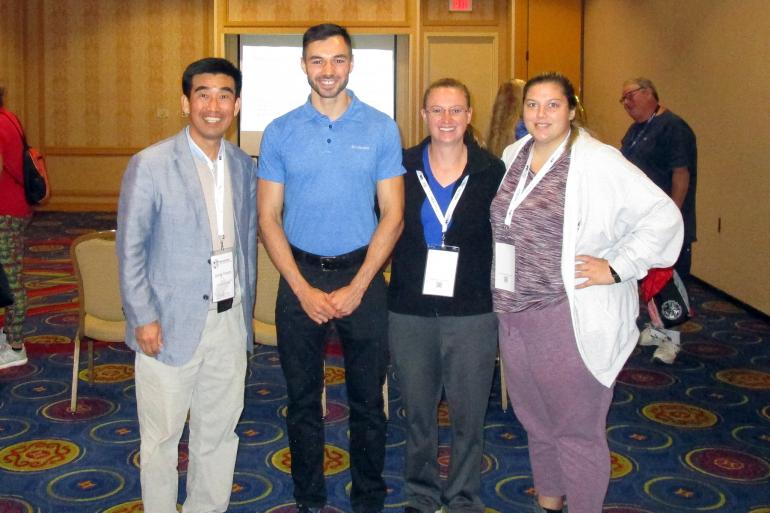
<point>614,275</point>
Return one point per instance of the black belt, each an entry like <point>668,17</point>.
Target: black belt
<point>330,263</point>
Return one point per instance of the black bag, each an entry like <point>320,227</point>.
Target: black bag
<point>36,187</point>
<point>6,298</point>
<point>671,306</point>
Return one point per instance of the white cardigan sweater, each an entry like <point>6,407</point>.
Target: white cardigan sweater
<point>611,211</point>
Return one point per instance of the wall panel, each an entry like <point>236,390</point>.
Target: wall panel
<point>549,38</point>
<point>111,69</point>
<point>305,13</point>
<point>472,58</point>
<point>86,182</point>
<point>110,75</point>
<point>473,47</point>
<point>12,55</point>
<point>488,12</point>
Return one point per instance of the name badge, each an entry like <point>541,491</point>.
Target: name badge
<point>222,275</point>
<point>440,271</point>
<point>505,266</point>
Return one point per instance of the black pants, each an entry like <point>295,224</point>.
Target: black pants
<point>684,262</point>
<point>301,348</point>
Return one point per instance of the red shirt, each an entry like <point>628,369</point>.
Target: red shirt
<point>12,201</point>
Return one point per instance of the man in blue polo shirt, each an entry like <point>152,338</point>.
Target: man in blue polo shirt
<point>321,167</point>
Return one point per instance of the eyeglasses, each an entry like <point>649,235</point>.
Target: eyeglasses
<point>455,111</point>
<point>630,94</point>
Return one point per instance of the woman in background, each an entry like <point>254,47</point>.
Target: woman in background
<point>575,226</point>
<point>506,125</point>
<point>443,334</point>
<point>15,214</point>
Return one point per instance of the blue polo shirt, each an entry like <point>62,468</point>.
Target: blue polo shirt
<point>329,170</point>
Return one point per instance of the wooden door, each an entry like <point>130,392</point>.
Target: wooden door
<point>549,38</point>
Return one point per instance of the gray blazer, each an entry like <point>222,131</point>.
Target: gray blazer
<point>164,244</point>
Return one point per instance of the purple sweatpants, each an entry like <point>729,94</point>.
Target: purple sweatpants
<point>560,404</point>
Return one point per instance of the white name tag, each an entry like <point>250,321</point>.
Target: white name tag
<point>440,271</point>
<point>505,266</point>
<point>222,275</point>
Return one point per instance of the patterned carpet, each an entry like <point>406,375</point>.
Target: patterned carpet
<point>694,436</point>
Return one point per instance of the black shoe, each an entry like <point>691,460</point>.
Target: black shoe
<point>301,508</point>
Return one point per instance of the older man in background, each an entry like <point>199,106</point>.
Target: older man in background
<point>663,145</point>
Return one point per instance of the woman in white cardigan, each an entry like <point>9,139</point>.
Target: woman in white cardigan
<point>575,226</point>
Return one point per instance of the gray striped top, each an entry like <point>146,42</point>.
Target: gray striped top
<point>536,234</point>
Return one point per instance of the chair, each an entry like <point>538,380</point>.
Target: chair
<point>263,320</point>
<point>100,311</point>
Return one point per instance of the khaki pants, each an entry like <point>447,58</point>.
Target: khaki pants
<point>210,386</point>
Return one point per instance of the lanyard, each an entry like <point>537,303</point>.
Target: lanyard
<point>219,198</point>
<point>643,130</point>
<point>444,219</point>
<point>522,188</point>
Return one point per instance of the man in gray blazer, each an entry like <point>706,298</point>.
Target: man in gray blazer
<point>186,246</point>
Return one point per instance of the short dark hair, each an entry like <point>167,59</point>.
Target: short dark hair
<point>325,31</point>
<point>215,65</point>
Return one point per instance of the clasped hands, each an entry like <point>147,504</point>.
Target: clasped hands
<point>323,306</point>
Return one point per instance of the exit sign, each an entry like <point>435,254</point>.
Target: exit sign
<point>461,5</point>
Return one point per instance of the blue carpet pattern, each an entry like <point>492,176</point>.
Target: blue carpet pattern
<point>690,437</point>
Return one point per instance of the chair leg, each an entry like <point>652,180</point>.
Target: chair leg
<point>503,390</point>
<point>323,395</point>
<point>90,361</point>
<point>75,370</point>
<point>385,397</point>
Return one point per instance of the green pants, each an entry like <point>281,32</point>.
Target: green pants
<point>11,257</point>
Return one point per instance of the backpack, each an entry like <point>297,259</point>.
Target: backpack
<point>36,187</point>
<point>667,301</point>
